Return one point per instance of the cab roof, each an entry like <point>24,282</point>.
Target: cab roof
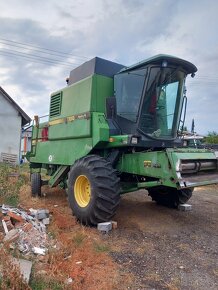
<point>158,59</point>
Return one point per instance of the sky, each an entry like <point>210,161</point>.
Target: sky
<point>124,31</point>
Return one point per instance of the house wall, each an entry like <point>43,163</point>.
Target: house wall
<point>10,128</point>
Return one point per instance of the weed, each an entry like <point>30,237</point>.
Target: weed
<point>10,184</point>
<point>39,283</point>
<point>100,248</point>
<point>78,239</point>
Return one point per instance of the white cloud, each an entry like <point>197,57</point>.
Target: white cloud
<point>125,31</point>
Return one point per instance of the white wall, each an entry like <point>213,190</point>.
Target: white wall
<point>10,128</point>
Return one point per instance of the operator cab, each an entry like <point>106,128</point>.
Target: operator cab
<point>149,99</point>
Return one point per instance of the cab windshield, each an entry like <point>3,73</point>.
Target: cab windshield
<point>128,92</point>
<point>162,103</point>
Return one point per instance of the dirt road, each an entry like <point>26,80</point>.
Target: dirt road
<point>165,248</point>
<point>153,248</point>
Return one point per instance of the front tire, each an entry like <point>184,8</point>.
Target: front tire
<point>170,197</point>
<point>36,184</point>
<point>93,190</point>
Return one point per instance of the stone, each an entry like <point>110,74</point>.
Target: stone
<point>12,236</point>
<point>69,280</point>
<point>104,227</point>
<point>25,267</point>
<point>45,211</point>
<point>185,207</point>
<point>39,251</point>
<point>41,216</point>
<point>46,221</point>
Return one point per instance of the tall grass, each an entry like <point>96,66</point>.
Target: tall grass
<point>10,185</point>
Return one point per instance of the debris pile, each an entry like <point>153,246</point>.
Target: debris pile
<point>25,230</point>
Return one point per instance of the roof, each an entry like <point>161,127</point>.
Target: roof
<point>95,65</point>
<point>188,66</point>
<point>25,118</point>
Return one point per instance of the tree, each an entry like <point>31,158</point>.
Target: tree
<point>211,138</point>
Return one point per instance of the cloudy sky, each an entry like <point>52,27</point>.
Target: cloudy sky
<point>41,41</point>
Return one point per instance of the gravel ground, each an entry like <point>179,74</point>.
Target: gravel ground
<point>164,248</point>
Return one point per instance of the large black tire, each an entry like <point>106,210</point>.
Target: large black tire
<point>93,190</point>
<point>170,197</point>
<point>36,184</point>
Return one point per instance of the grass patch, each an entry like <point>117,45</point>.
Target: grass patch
<point>101,248</point>
<point>39,283</point>
<point>10,184</point>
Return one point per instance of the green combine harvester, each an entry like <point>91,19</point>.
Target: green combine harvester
<point>114,129</point>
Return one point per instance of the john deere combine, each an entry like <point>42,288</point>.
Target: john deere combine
<point>113,130</point>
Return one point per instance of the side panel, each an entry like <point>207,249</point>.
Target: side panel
<point>102,88</point>
<point>76,99</point>
<point>72,127</point>
<point>62,152</point>
<point>66,151</point>
<point>149,164</point>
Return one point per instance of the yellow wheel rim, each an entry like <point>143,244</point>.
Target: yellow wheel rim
<point>82,191</point>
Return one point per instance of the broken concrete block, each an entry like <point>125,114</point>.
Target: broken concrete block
<point>9,225</point>
<point>42,227</point>
<point>15,217</point>
<point>33,212</point>
<point>45,211</point>
<point>25,267</point>
<point>42,214</point>
<point>11,236</point>
<point>46,221</point>
<point>23,248</point>
<point>27,227</point>
<point>5,226</point>
<point>104,227</point>
<point>39,251</point>
<point>185,207</point>
<point>114,225</point>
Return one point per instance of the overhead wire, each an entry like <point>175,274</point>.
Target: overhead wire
<point>42,48</point>
<point>38,56</point>
<point>36,60</point>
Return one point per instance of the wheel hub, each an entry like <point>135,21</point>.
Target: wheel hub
<point>82,191</point>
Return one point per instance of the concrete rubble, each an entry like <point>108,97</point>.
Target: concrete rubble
<point>185,207</point>
<point>25,230</point>
<point>105,227</point>
<point>25,268</point>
